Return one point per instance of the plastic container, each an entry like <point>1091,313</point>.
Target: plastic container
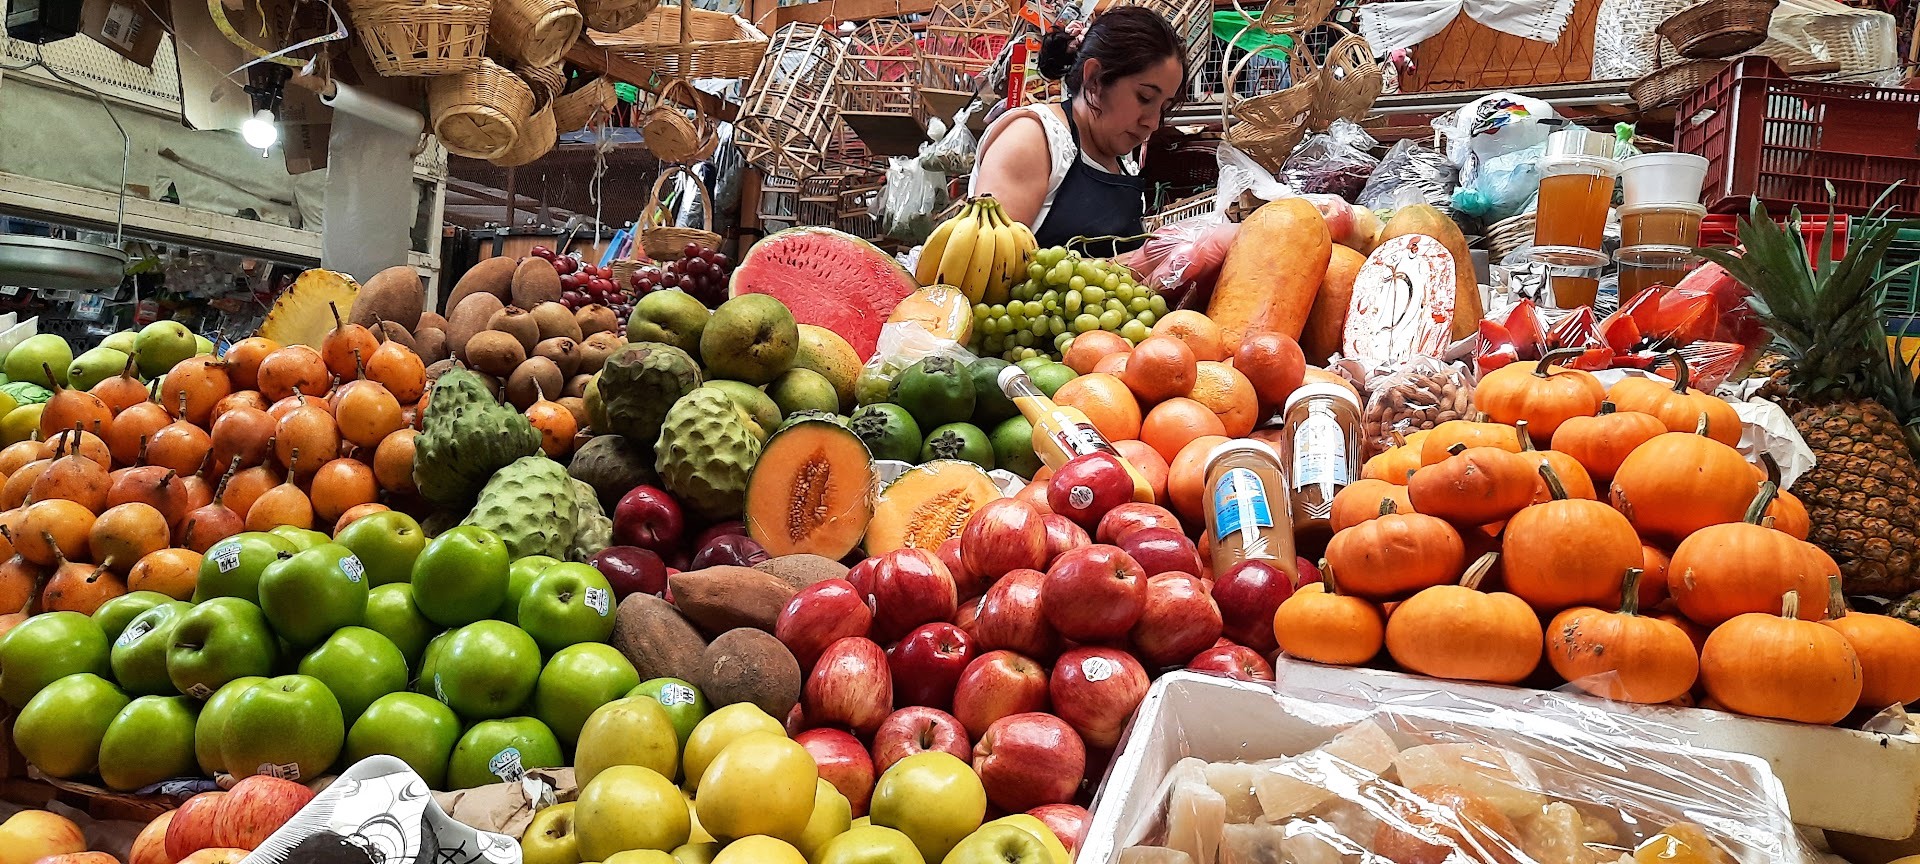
<point>1558,279</point>
<point>1661,225</point>
<point>1248,511</point>
<point>1324,452</point>
<point>1766,134</point>
<point>1642,267</point>
<point>1061,432</point>
<point>1717,229</point>
<point>1575,192</point>
<point>1662,178</point>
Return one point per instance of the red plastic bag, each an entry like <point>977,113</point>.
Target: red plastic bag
<point>1182,260</point>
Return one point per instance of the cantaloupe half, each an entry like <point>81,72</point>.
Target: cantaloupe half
<point>928,505</point>
<point>810,491</point>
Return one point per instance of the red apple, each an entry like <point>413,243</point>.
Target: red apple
<point>1094,594</point>
<point>192,826</point>
<point>1088,486</point>
<point>736,550</point>
<point>1067,821</point>
<point>819,615</point>
<point>1180,620</point>
<point>1095,690</point>
<point>1063,535</point>
<point>966,583</point>
<point>1234,661</point>
<point>927,664</point>
<point>1310,574</point>
<point>850,686</point>
<point>1248,593</point>
<point>842,761</point>
<point>255,808</point>
<point>217,855</point>
<point>631,570</point>
<point>732,528</point>
<point>648,518</point>
<point>796,721</point>
<point>998,684</point>
<point>910,588</point>
<point>1162,550</point>
<point>861,575</point>
<point>1027,760</point>
<point>77,858</point>
<point>967,617</point>
<point>1133,516</point>
<point>151,846</point>
<point>1006,535</point>
<point>918,729</point>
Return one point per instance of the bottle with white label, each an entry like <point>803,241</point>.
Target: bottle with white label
<point>1324,454</point>
<point>1247,508</point>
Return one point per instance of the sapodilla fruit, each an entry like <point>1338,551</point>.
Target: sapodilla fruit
<point>133,430</point>
<point>344,345</point>
<point>284,504</point>
<point>121,391</point>
<point>310,430</point>
<point>246,433</point>
<point>248,485</point>
<point>77,586</point>
<point>193,386</point>
<point>179,445</point>
<point>85,444</point>
<point>19,453</point>
<point>341,485</point>
<point>244,358</point>
<point>290,368</point>
<point>75,478</point>
<point>125,535</point>
<point>52,530</point>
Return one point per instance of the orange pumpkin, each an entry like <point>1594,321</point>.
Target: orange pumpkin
<point>1396,554</point>
<point>1653,584</point>
<point>1743,567</point>
<point>1361,501</point>
<point>1573,475</point>
<point>1321,624</point>
<point>1621,655</point>
<point>1781,667</point>
<point>1680,482</point>
<point>1888,648</point>
<point>1542,394</point>
<point>1461,633</point>
<point>1602,442</point>
<point>1474,486</point>
<point>1787,513</point>
<point>1568,551</point>
<point>1395,463</point>
<point>1443,438</point>
<point>1676,405</point>
<point>1695,633</point>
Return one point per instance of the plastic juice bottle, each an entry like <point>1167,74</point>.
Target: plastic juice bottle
<point>1249,512</point>
<point>1062,432</point>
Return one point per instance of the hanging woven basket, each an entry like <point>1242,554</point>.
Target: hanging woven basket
<point>534,140</point>
<point>535,32</point>
<point>669,242</point>
<point>670,133</point>
<point>576,109</point>
<point>477,114</point>
<point>419,40</point>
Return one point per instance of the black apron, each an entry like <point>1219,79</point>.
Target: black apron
<point>1093,203</point>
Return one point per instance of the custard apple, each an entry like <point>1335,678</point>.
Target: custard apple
<point>705,452</point>
<point>532,505</point>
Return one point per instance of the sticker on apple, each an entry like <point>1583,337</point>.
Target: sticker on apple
<point>676,695</point>
<point>140,627</point>
<point>351,566</point>
<point>598,601</point>
<point>289,771</point>
<point>199,691</point>
<point>1097,668</point>
<point>226,555</point>
<point>506,765</point>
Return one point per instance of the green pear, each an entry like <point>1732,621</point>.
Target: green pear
<point>32,358</point>
<point>160,345</point>
<point>94,366</point>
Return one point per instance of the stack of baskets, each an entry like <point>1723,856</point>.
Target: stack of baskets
<point>510,114</point>
<point>1341,83</point>
<point>1706,36</point>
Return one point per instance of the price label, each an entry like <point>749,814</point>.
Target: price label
<point>675,695</point>
<point>226,555</point>
<point>506,765</point>
<point>598,600</point>
<point>1097,668</point>
<point>351,566</point>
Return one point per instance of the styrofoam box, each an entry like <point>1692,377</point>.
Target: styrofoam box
<point>1191,714</point>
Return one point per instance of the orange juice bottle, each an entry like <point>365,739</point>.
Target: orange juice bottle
<point>1061,432</point>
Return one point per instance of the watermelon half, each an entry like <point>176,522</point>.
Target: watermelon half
<point>829,279</point>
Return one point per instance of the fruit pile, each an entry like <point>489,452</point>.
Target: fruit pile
<point>700,272</point>
<point>583,285</point>
<point>944,408</point>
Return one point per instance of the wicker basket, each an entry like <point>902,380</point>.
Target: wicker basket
<point>1298,16</point>
<point>1271,124</point>
<point>669,242</point>
<point>1509,235</point>
<point>534,140</point>
<point>702,45</point>
<point>612,16</point>
<point>623,270</point>
<point>546,82</point>
<point>1192,20</point>
<point>436,38</point>
<point>535,32</point>
<point>1350,79</point>
<point>1718,28</point>
<point>670,133</point>
<point>1667,85</point>
<point>787,123</point>
<point>576,109</point>
<point>478,114</point>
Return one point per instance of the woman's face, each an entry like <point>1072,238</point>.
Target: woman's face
<point>1131,108</point>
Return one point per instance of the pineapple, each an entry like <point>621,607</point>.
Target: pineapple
<point>1848,396</point>
<point>304,313</point>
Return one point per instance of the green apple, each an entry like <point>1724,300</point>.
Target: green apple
<point>29,360</point>
<point>630,731</point>
<point>61,727</point>
<point>387,543</point>
<point>217,641</point>
<point>359,666</point>
<point>630,807</point>
<point>416,729</point>
<point>47,647</point>
<point>424,681</point>
<point>139,656</point>
<point>114,615</point>
<point>207,731</point>
<point>391,613</point>
<point>762,783</point>
<point>488,669</point>
<point>721,728</point>
<point>121,341</point>
<point>832,816</point>
<point>685,704</point>
<point>289,725</point>
<point>568,604</point>
<point>160,345</point>
<point>150,740</point>
<point>499,751</point>
<point>932,797</point>
<point>232,567</point>
<point>576,682</point>
<point>549,838</point>
<point>1000,844</point>
<point>461,576</point>
<point>697,853</point>
<point>1056,850</point>
<point>301,538</point>
<point>870,844</point>
<point>520,576</point>
<point>310,595</point>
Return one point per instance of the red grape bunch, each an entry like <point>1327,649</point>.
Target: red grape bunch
<point>702,273</point>
<point>583,284</point>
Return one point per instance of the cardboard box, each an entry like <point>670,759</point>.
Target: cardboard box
<point>131,28</point>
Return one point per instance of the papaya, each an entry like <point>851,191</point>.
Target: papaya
<point>928,505</point>
<point>1327,323</point>
<point>1272,271</point>
<point>1428,220</point>
<point>808,490</point>
<point>942,309</point>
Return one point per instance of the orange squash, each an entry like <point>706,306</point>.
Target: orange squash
<point>1568,551</point>
<point>1680,482</point>
<point>1888,648</point>
<point>1474,486</point>
<point>1621,655</point>
<point>1653,582</point>
<point>1361,501</point>
<point>1542,394</point>
<point>1600,443</point>
<point>1461,633</point>
<point>1396,554</point>
<point>1573,476</point>
<point>1395,463</point>
<point>1321,624</point>
<point>1787,513</point>
<point>1722,571</point>
<point>1471,433</point>
<point>1781,667</point>
<point>1678,406</point>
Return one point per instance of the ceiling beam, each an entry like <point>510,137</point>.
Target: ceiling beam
<point>604,61</point>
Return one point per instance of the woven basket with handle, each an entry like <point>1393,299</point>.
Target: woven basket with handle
<point>702,44</point>
<point>478,114</point>
<point>443,37</point>
<point>1270,124</point>
<point>669,242</point>
<point>670,133</point>
<point>546,82</point>
<point>576,109</point>
<point>1350,79</point>
<point>535,32</point>
<point>1718,28</point>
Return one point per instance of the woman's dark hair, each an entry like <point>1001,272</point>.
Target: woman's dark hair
<point>1127,40</point>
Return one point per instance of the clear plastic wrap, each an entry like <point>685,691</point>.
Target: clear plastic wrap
<point>1411,174</point>
<point>1182,259</point>
<point>908,200</point>
<point>1404,398</point>
<point>1335,162</point>
<point>1325,770</point>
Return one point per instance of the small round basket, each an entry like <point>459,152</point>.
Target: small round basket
<point>669,242</point>
<point>546,82</point>
<point>670,134</point>
<point>534,140</point>
<point>1667,85</point>
<point>575,109</point>
<point>535,32</point>
<point>478,114</point>
<point>1718,28</point>
<point>613,16</point>
<point>416,40</point>
<point>623,270</point>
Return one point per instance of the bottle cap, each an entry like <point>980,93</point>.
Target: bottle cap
<point>1010,375</point>
<point>1309,391</point>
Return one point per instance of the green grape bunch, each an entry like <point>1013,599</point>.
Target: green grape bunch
<point>1063,296</point>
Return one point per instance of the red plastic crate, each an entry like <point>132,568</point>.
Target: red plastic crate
<point>1768,135</point>
<point>1717,229</point>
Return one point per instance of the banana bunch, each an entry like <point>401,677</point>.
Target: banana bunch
<point>980,251</point>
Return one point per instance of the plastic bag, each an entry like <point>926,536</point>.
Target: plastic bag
<point>1404,398</point>
<point>907,200</point>
<point>1240,174</point>
<point>1502,187</point>
<point>902,344</point>
<point>1411,174</point>
<point>1337,161</point>
<point>953,153</point>
<point>1493,126</point>
<point>1181,260</point>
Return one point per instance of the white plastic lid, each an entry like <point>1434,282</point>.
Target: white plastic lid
<point>1009,375</point>
<point>1241,445</point>
<point>1597,166</point>
<point>1309,391</point>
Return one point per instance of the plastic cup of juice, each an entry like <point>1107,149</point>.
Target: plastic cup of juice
<point>1643,267</point>
<point>1656,225</point>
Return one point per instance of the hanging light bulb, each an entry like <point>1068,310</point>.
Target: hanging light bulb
<point>260,131</point>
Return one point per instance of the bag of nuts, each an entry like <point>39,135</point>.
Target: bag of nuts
<point>1404,398</point>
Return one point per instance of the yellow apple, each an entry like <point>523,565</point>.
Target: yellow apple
<point>697,853</point>
<point>1057,851</point>
<point>762,783</point>
<point>870,844</point>
<point>832,816</point>
<point>696,834</point>
<point>34,834</point>
<point>999,844</point>
<point>759,850</point>
<point>861,822</point>
<point>550,839</point>
<point>932,797</point>
<point>717,731</point>
<point>630,731</point>
<point>629,807</point>
<point>640,856</point>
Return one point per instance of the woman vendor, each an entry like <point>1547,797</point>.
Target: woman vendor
<point>1064,168</point>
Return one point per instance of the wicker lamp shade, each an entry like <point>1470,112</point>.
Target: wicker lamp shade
<point>787,122</point>
<point>478,114</point>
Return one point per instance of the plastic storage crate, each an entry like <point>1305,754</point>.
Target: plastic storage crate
<point>1903,291</point>
<point>1717,229</point>
<point>1784,140</point>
